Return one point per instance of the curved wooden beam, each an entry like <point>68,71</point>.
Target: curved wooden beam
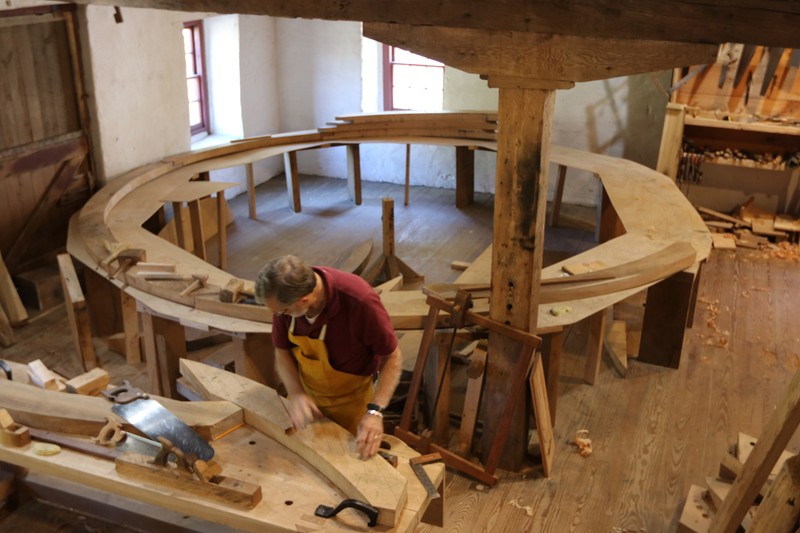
<point>324,444</point>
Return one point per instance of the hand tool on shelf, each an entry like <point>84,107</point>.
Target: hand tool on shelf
<point>775,55</point>
<point>744,61</point>
<point>154,420</point>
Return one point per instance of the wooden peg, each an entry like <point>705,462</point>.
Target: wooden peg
<point>200,280</point>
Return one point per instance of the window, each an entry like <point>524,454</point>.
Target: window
<point>411,81</point>
<point>195,78</point>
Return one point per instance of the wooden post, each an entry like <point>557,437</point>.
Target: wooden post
<point>669,153</point>
<point>523,147</point>
<point>255,358</point>
<point>562,177</point>
<point>78,313</point>
<point>197,229</point>
<point>388,228</point>
<point>354,172</point>
<point>609,224</point>
<point>665,316</point>
<point>251,190</point>
<point>465,176</point>
<point>292,180</point>
<point>594,346</point>
<point>222,231</point>
<point>408,173</point>
<point>165,345</point>
<point>130,324</point>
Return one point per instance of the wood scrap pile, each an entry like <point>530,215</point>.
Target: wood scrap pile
<point>733,156</point>
<point>750,227</point>
<point>770,508</point>
<point>758,488</point>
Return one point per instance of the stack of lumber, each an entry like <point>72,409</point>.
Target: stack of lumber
<point>12,312</point>
<point>732,500</point>
<point>749,227</point>
<point>460,125</point>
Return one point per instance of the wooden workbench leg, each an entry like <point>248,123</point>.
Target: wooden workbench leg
<point>594,346</point>
<point>78,313</point>
<point>197,229</point>
<point>180,234</point>
<point>151,353</point>
<point>251,190</point>
<point>102,297</point>
<point>562,177</point>
<point>292,180</point>
<point>408,174</point>
<point>255,358</point>
<point>354,172</point>
<point>665,315</point>
<point>552,348</point>
<point>440,374</point>
<point>164,346</point>
<point>222,232</point>
<point>609,225</point>
<point>130,323</point>
<point>465,176</point>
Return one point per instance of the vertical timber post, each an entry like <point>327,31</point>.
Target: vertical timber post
<point>523,146</point>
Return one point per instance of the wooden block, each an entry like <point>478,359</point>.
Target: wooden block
<point>717,491</point>
<point>230,292</point>
<point>744,448</point>
<point>40,288</point>
<point>723,241</point>
<point>6,422</point>
<point>156,267</point>
<point>43,377</point>
<point>729,467</point>
<point>89,383</point>
<point>697,512</point>
<point>460,265</point>
<point>16,436</point>
<point>779,510</point>
<point>9,298</point>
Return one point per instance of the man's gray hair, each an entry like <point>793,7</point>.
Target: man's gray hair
<point>287,279</point>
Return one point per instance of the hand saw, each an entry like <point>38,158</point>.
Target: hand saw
<point>154,420</point>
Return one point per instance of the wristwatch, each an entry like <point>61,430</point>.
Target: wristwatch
<point>374,409</point>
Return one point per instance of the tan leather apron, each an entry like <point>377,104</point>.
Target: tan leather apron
<point>340,396</point>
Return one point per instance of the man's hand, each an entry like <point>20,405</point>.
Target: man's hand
<point>302,410</point>
<point>368,438</point>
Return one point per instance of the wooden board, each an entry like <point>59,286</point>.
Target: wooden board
<point>9,298</point>
<point>86,415</point>
<point>324,444</point>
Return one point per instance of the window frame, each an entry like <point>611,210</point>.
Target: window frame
<point>388,77</point>
<point>198,52</point>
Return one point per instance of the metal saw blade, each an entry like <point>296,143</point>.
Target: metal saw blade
<point>155,420</point>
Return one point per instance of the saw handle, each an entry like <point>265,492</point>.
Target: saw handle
<point>125,393</point>
<point>372,512</point>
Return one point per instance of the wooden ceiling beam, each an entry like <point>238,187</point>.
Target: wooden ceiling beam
<point>767,22</point>
<point>542,57</point>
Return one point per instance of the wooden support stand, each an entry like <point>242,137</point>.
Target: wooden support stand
<point>78,313</point>
<point>388,264</point>
<point>527,365</point>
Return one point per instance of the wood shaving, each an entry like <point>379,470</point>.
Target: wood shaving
<point>528,510</point>
<point>583,442</point>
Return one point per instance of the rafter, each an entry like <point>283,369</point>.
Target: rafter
<point>768,22</point>
<point>537,56</point>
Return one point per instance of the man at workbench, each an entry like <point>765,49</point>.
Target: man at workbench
<point>332,335</point>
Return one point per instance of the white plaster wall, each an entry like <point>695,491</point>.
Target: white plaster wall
<point>319,77</point>
<point>137,70</point>
<point>222,65</point>
<point>621,117</point>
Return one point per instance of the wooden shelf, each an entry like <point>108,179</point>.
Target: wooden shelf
<point>756,127</point>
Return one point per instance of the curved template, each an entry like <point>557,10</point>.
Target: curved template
<point>653,212</point>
